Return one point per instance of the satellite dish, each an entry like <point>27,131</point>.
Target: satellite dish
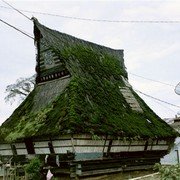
<point>177,89</point>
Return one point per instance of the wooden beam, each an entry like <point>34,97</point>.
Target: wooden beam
<point>101,171</point>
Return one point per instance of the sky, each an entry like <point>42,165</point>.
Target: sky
<point>151,50</point>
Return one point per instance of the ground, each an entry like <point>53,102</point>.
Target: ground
<point>121,176</point>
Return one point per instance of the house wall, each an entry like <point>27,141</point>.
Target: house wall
<point>5,149</point>
<point>84,146</point>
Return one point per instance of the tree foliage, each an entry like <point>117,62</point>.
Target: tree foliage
<point>20,89</point>
<point>33,168</point>
<point>168,172</point>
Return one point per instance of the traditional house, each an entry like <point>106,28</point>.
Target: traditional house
<point>83,112</point>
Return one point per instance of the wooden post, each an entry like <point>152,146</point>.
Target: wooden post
<point>109,147</point>
<point>72,145</point>
<point>72,170</point>
<point>26,175</point>
<point>178,159</point>
<point>78,169</point>
<point>4,175</point>
<point>104,144</point>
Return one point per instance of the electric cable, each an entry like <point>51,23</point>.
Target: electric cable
<point>100,20</point>
<point>152,79</point>
<point>163,106</point>
<point>156,98</point>
<point>17,10</point>
<point>17,29</point>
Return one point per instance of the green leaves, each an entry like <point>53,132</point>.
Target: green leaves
<point>33,168</point>
<point>171,172</point>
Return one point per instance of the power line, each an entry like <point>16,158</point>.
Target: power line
<point>16,10</point>
<point>157,99</point>
<point>164,106</point>
<point>16,29</point>
<point>151,79</point>
<point>101,20</point>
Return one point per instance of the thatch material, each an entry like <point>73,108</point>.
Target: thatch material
<point>91,99</point>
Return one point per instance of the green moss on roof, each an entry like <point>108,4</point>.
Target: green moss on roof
<point>91,102</point>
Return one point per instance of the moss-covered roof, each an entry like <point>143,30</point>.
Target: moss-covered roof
<point>88,100</point>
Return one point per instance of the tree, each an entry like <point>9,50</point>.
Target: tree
<point>171,172</point>
<point>20,89</point>
<point>35,169</point>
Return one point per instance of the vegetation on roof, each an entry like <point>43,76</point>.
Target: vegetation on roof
<point>91,103</point>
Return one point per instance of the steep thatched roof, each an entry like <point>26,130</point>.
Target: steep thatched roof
<point>84,90</point>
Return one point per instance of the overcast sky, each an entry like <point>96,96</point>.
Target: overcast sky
<point>151,50</point>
